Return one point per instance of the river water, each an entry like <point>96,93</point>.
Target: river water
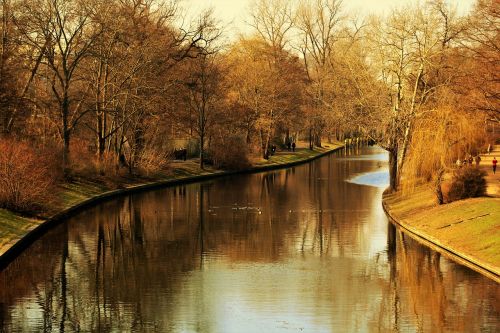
<point>305,249</point>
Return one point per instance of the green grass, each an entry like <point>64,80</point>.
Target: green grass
<point>286,157</point>
<point>406,205</point>
<point>13,227</point>
<point>470,227</point>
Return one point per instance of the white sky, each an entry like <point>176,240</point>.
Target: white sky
<point>234,13</point>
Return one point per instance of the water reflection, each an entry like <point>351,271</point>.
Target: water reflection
<point>300,249</point>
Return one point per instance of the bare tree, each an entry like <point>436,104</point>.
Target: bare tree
<point>203,80</point>
<point>482,41</point>
<point>64,31</point>
<point>19,64</point>
<point>203,97</point>
<point>320,23</point>
<point>273,21</point>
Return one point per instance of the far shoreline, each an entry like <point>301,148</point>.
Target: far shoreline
<point>34,229</point>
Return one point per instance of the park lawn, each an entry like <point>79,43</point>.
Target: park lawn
<point>81,189</point>
<point>76,191</point>
<point>13,226</point>
<point>285,157</point>
<point>470,227</point>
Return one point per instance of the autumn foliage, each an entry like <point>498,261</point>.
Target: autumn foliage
<point>26,177</point>
<point>230,153</point>
<point>117,86</point>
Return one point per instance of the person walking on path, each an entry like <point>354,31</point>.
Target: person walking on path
<point>494,165</point>
<point>478,160</point>
<point>293,146</point>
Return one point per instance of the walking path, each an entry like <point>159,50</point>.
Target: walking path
<point>492,180</point>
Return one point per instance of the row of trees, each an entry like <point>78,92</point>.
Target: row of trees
<point>439,97</point>
<point>103,71</point>
<point>126,79</point>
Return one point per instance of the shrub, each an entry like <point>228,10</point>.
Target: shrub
<point>152,161</point>
<point>26,177</point>
<point>229,153</point>
<point>467,182</point>
<point>81,160</point>
<point>84,162</point>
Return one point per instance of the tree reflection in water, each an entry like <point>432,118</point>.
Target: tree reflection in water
<point>294,249</point>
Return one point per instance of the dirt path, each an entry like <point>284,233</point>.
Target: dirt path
<point>493,180</point>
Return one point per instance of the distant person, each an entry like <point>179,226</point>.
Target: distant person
<point>478,160</point>
<point>289,146</point>
<point>293,146</point>
<point>494,165</point>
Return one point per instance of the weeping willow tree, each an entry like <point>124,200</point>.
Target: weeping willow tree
<point>442,135</point>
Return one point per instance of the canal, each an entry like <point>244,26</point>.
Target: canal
<point>304,249</point>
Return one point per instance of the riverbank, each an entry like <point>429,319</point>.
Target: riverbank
<point>468,231</point>
<point>16,231</point>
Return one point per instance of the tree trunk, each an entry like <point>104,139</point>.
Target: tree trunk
<point>266,144</point>
<point>66,151</point>
<point>248,136</point>
<point>101,135</point>
<point>202,150</point>
<point>317,140</point>
<point>265,140</point>
<point>438,189</point>
<point>137,148</point>
<point>311,146</point>
<point>65,133</point>
<point>100,99</point>
<point>262,146</point>
<point>393,169</point>
<point>403,148</point>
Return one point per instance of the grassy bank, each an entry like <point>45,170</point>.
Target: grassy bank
<point>14,227</point>
<point>468,228</point>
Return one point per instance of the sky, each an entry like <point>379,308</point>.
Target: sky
<point>234,13</point>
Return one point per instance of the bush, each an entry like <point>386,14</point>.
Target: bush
<point>229,153</point>
<point>85,163</point>
<point>467,182</point>
<point>152,162</point>
<point>27,178</point>
<point>81,159</point>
